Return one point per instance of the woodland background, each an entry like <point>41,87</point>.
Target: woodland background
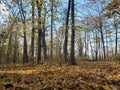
<point>59,44</point>
<point>35,31</point>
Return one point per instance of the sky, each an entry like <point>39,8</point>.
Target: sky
<point>4,13</point>
<point>3,9</point>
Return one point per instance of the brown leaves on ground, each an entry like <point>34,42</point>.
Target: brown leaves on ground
<point>87,75</point>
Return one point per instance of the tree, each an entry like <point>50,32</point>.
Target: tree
<point>72,52</point>
<point>94,10</point>
<point>116,34</point>
<point>33,31</point>
<point>15,48</point>
<point>113,11</point>
<point>23,17</point>
<point>44,30</point>
<point>39,10</point>
<point>66,32</point>
<point>51,30</point>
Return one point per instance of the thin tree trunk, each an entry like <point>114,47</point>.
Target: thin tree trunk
<point>9,50</point>
<point>92,55</point>
<point>106,45</point>
<point>25,57</point>
<point>103,42</point>
<point>85,43</point>
<point>44,45</point>
<point>80,47</point>
<point>44,41</point>
<point>51,52</point>
<point>96,51</point>
<point>33,31</point>
<point>15,49</point>
<point>116,36</point>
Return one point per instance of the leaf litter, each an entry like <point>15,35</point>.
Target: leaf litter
<point>86,75</point>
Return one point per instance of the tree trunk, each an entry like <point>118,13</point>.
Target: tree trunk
<point>8,55</point>
<point>23,17</point>
<point>80,47</point>
<point>15,49</point>
<point>51,53</point>
<point>39,7</point>
<point>103,42</point>
<point>72,53</point>
<point>33,31</point>
<point>66,32</point>
<point>85,43</point>
<point>25,57</point>
<point>44,41</point>
<point>96,51</point>
<point>104,55</point>
<point>44,44</point>
<point>116,36</point>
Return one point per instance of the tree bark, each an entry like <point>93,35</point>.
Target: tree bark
<point>23,17</point>
<point>15,49</point>
<point>44,41</point>
<point>116,36</point>
<point>25,57</point>
<point>39,8</point>
<point>32,33</point>
<point>72,53</point>
<point>103,42</point>
<point>66,33</point>
<point>8,56</point>
<point>51,52</point>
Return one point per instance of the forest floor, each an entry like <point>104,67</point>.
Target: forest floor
<point>86,75</point>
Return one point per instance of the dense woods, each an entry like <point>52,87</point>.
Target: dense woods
<point>47,37</point>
